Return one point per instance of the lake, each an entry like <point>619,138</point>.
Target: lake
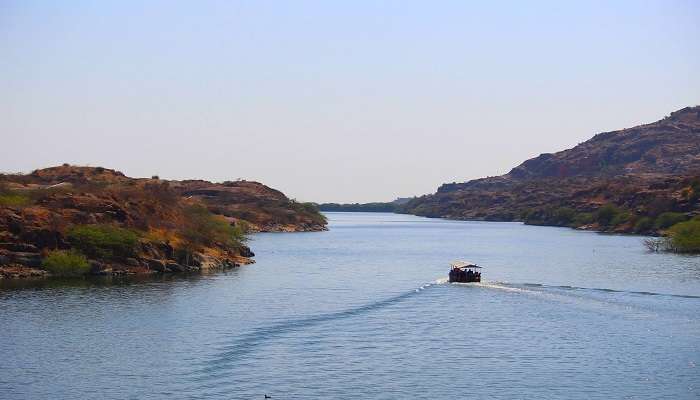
<point>362,311</point>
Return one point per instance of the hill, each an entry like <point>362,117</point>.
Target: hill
<point>391,206</point>
<point>70,220</point>
<point>637,175</point>
<point>262,208</point>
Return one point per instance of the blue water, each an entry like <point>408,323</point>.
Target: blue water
<point>361,312</point>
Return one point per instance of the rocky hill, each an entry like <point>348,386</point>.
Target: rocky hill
<point>262,208</point>
<point>70,220</point>
<point>639,173</point>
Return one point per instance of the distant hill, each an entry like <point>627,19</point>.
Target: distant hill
<point>365,207</point>
<point>639,173</point>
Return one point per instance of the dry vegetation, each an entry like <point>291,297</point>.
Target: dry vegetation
<point>74,220</point>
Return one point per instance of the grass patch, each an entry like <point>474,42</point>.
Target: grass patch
<point>103,241</point>
<point>9,199</point>
<point>606,215</point>
<point>685,237</point>
<point>643,224</point>
<point>66,263</point>
<point>13,198</point>
<point>202,228</point>
<point>668,219</point>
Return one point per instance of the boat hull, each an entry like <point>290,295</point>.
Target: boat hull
<point>460,276</point>
<point>465,280</point>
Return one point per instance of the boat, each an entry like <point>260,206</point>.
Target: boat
<point>464,272</point>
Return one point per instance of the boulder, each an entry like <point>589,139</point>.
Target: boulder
<point>98,268</point>
<point>20,271</point>
<point>246,252</point>
<point>24,258</point>
<point>22,247</point>
<point>155,265</point>
<point>132,262</point>
<point>173,266</point>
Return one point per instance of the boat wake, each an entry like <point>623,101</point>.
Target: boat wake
<point>217,367</point>
<point>538,287</point>
<point>626,303</point>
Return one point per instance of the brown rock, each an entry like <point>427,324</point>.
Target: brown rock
<point>173,266</point>
<point>155,265</point>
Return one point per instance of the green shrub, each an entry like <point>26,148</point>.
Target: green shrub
<point>606,214</point>
<point>564,216</point>
<point>668,219</point>
<point>103,241</point>
<point>66,263</point>
<point>10,199</point>
<point>582,219</point>
<point>202,228</point>
<point>310,209</point>
<point>685,236</point>
<point>526,213</point>
<point>643,224</point>
<point>243,226</point>
<point>621,218</point>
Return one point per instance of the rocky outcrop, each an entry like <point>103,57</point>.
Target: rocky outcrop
<point>670,146</point>
<point>262,208</point>
<point>30,233</point>
<point>16,271</point>
<point>166,226</point>
<point>644,171</point>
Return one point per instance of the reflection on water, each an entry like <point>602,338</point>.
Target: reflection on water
<point>97,281</point>
<point>363,311</point>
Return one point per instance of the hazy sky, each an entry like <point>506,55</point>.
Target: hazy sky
<point>329,100</point>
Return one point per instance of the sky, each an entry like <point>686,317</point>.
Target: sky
<point>333,101</point>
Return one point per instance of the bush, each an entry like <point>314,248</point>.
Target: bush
<point>103,241</point>
<point>66,263</point>
<point>582,219</point>
<point>621,218</point>
<point>644,224</point>
<point>524,214</point>
<point>310,209</point>
<point>202,228</point>
<point>10,199</point>
<point>685,237</point>
<point>564,216</point>
<point>668,219</point>
<point>605,215</point>
<point>243,226</point>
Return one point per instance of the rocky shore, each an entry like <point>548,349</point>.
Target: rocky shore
<point>634,180</point>
<point>78,221</point>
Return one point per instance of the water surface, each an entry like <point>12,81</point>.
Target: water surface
<point>360,311</point>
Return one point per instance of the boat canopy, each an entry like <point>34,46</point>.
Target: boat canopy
<point>463,264</point>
